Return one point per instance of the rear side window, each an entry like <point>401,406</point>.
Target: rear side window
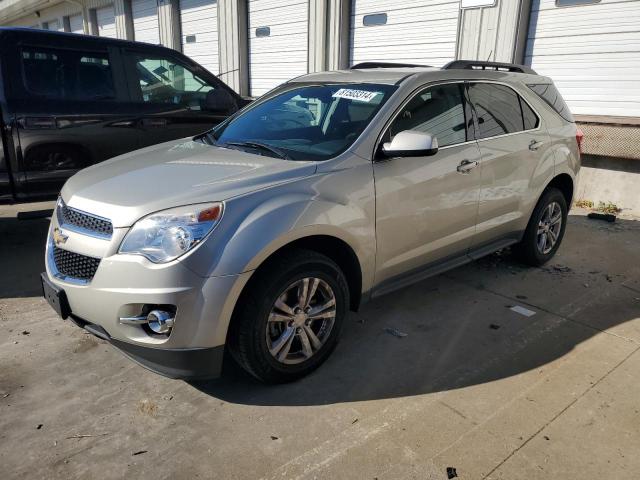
<point>67,75</point>
<point>549,93</point>
<point>497,108</point>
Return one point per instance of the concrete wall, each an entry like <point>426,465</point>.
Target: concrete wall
<point>605,179</point>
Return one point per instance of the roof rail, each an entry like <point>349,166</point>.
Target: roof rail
<point>367,65</point>
<point>480,65</point>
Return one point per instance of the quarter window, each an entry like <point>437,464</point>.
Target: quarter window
<point>549,93</point>
<point>438,110</point>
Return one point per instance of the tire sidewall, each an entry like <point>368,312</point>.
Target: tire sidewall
<point>550,196</point>
<point>317,268</point>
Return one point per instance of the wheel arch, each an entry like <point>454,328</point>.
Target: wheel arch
<point>331,246</point>
<point>563,182</point>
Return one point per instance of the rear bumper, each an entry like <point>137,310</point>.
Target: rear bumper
<point>182,363</point>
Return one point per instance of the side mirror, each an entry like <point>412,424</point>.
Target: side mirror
<point>220,101</point>
<point>411,143</point>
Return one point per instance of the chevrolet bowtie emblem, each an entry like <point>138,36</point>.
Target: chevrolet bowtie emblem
<point>59,238</point>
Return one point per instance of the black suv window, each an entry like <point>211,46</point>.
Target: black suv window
<point>438,110</point>
<point>162,80</point>
<point>67,75</point>
<point>550,94</point>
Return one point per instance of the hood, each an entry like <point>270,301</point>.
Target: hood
<point>173,174</point>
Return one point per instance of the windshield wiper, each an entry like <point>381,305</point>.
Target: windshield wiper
<point>261,146</point>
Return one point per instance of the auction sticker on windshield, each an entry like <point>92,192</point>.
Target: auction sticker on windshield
<point>358,95</point>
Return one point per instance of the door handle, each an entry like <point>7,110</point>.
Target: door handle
<point>534,145</point>
<point>466,166</point>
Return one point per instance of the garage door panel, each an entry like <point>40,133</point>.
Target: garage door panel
<point>106,22</point>
<point>422,32</point>
<point>199,22</point>
<point>597,73</point>
<point>260,6</point>
<point>145,21</point>
<point>76,25</point>
<point>282,53</point>
<point>579,45</point>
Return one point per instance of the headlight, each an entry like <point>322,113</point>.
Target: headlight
<point>165,236</point>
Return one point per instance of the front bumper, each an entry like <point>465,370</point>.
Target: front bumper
<point>124,284</point>
<point>185,363</point>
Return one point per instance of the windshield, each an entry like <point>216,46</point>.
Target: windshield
<point>312,122</point>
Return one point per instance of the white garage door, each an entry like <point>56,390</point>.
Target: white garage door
<point>145,21</point>
<point>592,53</point>
<point>199,24</point>
<point>412,31</point>
<point>106,22</point>
<point>278,39</point>
<point>53,25</point>
<point>76,24</point>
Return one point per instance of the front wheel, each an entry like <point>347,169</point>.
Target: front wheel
<point>545,230</point>
<point>289,316</point>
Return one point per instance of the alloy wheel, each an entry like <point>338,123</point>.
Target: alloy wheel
<point>549,228</point>
<point>301,320</point>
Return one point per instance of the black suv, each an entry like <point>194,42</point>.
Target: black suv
<point>68,101</point>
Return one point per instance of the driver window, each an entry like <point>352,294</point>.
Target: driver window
<point>438,110</point>
<point>164,81</point>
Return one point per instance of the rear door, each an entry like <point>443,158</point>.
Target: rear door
<point>69,112</point>
<point>516,160</point>
<point>175,99</point>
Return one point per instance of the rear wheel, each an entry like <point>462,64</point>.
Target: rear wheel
<point>289,316</point>
<point>545,229</point>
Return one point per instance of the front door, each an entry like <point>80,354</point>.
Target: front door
<point>173,100</point>
<point>426,207</point>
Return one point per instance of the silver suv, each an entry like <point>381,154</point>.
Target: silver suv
<point>260,235</point>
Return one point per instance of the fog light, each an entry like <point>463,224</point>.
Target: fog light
<point>160,321</point>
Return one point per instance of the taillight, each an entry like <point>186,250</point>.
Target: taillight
<point>579,139</point>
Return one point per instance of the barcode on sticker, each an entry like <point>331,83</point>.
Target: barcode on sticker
<point>357,95</point>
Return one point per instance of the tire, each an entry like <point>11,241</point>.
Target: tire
<point>529,249</point>
<point>254,332</point>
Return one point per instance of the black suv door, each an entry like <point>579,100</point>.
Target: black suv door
<point>70,110</point>
<point>175,97</point>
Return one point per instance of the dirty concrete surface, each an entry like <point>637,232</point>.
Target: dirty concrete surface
<point>473,386</point>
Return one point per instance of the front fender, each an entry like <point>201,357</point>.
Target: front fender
<point>256,225</point>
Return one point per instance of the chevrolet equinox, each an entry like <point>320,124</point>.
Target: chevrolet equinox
<point>260,235</point>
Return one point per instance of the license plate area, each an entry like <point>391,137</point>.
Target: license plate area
<point>55,296</point>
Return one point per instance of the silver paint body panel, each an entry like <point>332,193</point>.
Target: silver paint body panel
<point>400,216</point>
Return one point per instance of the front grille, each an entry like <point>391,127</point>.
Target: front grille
<point>75,265</point>
<point>69,216</point>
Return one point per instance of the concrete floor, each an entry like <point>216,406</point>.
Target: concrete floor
<point>474,385</point>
